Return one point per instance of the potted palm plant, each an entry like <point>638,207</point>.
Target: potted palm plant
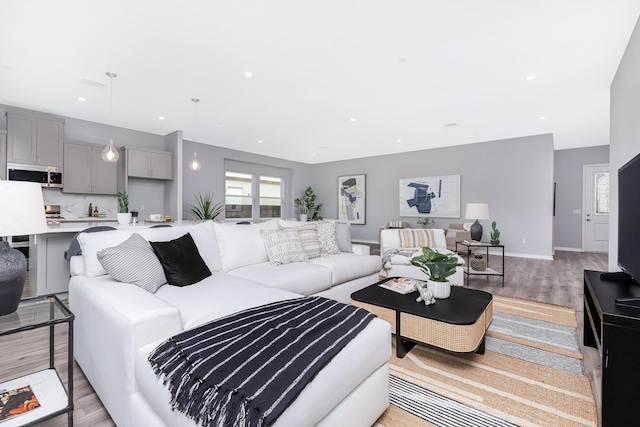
<point>124,216</point>
<point>437,266</point>
<point>205,208</point>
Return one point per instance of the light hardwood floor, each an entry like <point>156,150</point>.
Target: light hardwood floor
<point>557,282</point>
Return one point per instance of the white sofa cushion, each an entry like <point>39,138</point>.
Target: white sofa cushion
<point>300,277</point>
<point>345,266</point>
<point>241,244</point>
<point>216,296</point>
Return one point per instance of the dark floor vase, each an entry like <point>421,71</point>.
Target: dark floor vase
<point>13,268</point>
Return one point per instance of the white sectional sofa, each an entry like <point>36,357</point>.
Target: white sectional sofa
<point>118,324</point>
<point>398,246</point>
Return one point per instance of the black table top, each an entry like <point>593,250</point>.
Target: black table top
<point>463,307</point>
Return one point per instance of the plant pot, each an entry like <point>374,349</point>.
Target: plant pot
<point>441,290</point>
<point>303,217</point>
<point>495,242</point>
<point>124,218</point>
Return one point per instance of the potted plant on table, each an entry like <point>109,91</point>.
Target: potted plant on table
<point>124,216</point>
<point>437,266</point>
<point>495,234</point>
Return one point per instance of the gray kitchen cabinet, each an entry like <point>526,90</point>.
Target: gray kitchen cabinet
<point>34,140</point>
<point>149,164</point>
<point>86,172</point>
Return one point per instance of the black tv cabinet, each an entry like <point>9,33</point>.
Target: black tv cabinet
<point>615,331</point>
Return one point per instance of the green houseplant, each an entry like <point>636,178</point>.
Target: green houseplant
<point>495,234</point>
<point>307,205</point>
<point>124,216</point>
<point>437,266</point>
<point>205,208</point>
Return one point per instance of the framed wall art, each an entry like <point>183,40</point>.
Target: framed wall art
<point>435,196</point>
<point>352,199</point>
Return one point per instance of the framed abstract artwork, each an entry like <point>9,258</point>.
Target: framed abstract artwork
<point>433,196</point>
<point>352,198</point>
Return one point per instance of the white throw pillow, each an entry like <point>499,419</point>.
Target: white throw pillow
<point>327,237</point>
<point>309,236</point>
<point>133,261</point>
<point>283,246</point>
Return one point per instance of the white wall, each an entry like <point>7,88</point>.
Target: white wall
<point>625,128</point>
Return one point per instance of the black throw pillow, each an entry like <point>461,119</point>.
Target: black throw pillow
<point>181,261</point>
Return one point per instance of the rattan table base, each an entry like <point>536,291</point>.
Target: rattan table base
<point>432,330</point>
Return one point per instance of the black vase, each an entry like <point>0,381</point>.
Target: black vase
<point>13,269</point>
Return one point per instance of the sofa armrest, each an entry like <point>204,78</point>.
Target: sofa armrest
<point>113,321</point>
<point>359,249</point>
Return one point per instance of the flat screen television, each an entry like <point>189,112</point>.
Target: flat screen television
<point>629,218</point>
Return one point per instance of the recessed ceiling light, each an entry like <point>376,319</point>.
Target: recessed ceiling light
<point>82,98</point>
<point>259,141</point>
<point>541,117</point>
<point>531,77</point>
<point>450,125</point>
<point>353,119</point>
<point>398,141</point>
<point>313,154</point>
<point>248,74</point>
<point>161,117</point>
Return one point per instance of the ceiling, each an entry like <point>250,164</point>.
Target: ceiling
<point>329,80</point>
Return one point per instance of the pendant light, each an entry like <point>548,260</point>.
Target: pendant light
<point>110,153</point>
<point>195,164</point>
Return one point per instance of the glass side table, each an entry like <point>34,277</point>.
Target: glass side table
<point>468,271</point>
<point>53,397</point>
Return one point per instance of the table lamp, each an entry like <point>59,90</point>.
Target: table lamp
<point>21,213</point>
<point>477,211</point>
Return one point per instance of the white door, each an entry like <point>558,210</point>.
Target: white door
<point>596,208</point>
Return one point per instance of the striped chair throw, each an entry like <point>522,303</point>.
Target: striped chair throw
<point>411,238</point>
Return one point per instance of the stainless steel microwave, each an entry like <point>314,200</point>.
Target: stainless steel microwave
<point>47,176</point>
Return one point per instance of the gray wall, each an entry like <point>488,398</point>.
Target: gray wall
<point>514,176</point>
<point>568,168</point>
<point>210,178</point>
<point>625,128</point>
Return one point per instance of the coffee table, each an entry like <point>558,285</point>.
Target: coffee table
<point>457,324</point>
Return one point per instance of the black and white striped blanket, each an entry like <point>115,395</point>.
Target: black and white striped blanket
<point>247,368</point>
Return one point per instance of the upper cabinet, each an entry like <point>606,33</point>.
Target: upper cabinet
<point>86,172</point>
<point>149,164</point>
<point>34,140</point>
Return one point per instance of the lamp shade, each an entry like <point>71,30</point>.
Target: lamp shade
<point>21,209</point>
<point>477,211</point>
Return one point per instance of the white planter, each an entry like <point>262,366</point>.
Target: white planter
<point>303,217</point>
<point>441,290</point>
<point>124,218</point>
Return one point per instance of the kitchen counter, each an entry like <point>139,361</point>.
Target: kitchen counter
<point>74,227</point>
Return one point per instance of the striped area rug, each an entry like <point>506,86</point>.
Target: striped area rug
<point>530,375</point>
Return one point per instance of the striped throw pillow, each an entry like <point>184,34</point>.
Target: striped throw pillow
<point>283,246</point>
<point>133,261</point>
<point>309,236</point>
<point>410,238</point>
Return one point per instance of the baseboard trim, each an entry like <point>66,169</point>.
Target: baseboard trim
<point>534,256</point>
<point>568,249</point>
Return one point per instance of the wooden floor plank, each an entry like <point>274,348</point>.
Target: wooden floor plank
<point>557,282</point>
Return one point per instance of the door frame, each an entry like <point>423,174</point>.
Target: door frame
<point>584,200</point>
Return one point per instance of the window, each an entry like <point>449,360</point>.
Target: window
<point>240,190</point>
<point>270,197</point>
<point>238,200</point>
<point>602,193</point>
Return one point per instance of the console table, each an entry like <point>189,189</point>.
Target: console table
<point>615,332</point>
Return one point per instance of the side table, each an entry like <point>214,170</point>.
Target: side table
<point>53,397</point>
<point>468,271</point>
